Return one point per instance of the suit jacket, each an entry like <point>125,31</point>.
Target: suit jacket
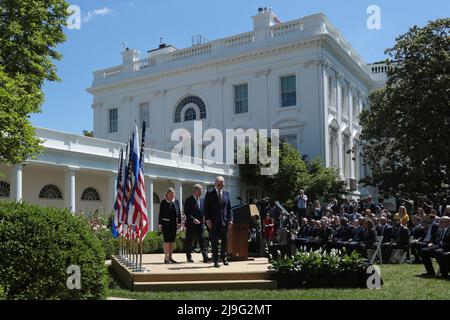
<point>445,239</point>
<point>434,232</point>
<point>401,235</point>
<point>345,233</point>
<point>166,215</point>
<point>192,211</point>
<point>218,213</point>
<point>418,232</point>
<point>388,234</point>
<point>369,236</point>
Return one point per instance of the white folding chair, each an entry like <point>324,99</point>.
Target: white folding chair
<point>377,253</point>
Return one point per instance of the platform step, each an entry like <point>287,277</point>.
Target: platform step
<point>216,276</point>
<point>206,285</point>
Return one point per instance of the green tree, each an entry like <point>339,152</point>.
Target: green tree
<point>407,129</point>
<point>29,34</point>
<point>295,174</point>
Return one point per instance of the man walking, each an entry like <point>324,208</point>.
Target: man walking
<point>195,228</point>
<point>218,217</point>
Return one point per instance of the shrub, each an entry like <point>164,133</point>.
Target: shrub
<point>2,294</point>
<point>37,245</point>
<point>110,245</point>
<point>320,269</point>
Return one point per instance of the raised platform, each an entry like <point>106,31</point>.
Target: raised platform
<point>197,276</point>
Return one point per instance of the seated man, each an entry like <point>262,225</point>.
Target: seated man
<point>437,249</point>
<point>341,236</point>
<point>429,236</point>
<point>365,239</point>
<point>400,240</point>
<point>323,234</point>
<point>445,266</point>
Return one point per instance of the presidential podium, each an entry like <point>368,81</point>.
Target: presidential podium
<point>238,232</point>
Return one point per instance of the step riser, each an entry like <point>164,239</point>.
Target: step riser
<point>204,287</point>
<point>199,277</point>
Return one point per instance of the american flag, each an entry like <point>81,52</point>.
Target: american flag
<point>117,225</point>
<point>140,200</point>
<point>126,187</point>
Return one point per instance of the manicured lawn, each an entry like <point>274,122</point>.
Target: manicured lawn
<point>400,282</point>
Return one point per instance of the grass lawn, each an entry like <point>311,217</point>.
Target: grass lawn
<point>400,282</point>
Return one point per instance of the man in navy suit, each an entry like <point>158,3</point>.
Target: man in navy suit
<point>218,216</point>
<point>438,249</point>
<point>195,223</point>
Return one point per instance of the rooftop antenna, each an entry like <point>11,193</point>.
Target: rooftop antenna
<point>124,46</point>
<point>161,40</point>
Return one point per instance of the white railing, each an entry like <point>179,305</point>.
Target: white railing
<point>239,40</point>
<point>300,28</point>
<point>111,72</point>
<point>287,28</point>
<point>144,64</point>
<point>190,52</point>
<point>110,149</point>
<point>379,71</point>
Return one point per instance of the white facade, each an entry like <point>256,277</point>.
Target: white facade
<point>301,77</point>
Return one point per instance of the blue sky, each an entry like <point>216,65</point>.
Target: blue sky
<point>106,24</point>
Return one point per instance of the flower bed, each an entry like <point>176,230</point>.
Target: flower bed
<point>320,269</point>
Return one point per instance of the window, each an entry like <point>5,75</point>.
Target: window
<point>190,115</point>
<point>4,189</point>
<point>145,113</point>
<point>347,152</point>
<point>288,91</point>
<point>188,100</point>
<point>334,148</point>
<point>113,121</point>
<point>241,98</point>
<point>90,194</point>
<point>355,107</point>
<point>51,192</point>
<point>330,91</point>
<point>290,139</point>
<point>344,99</point>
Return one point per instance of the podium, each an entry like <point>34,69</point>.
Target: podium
<point>238,233</point>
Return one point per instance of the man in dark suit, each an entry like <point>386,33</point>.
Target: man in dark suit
<point>218,217</point>
<point>438,249</point>
<point>193,209</point>
<point>400,240</point>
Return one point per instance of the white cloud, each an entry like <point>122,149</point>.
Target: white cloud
<point>97,12</point>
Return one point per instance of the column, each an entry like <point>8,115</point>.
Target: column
<point>112,189</point>
<point>179,192</point>
<point>149,187</point>
<point>71,189</point>
<point>339,83</point>
<point>16,177</point>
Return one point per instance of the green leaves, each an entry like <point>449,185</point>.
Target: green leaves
<point>29,33</point>
<point>37,245</point>
<point>408,127</point>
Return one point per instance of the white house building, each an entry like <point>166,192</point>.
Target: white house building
<point>301,77</point>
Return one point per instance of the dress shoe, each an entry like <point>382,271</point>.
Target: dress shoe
<point>428,275</point>
<point>190,260</point>
<point>166,261</point>
<point>225,262</point>
<point>172,261</point>
<point>216,265</point>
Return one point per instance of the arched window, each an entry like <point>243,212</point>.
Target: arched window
<point>190,115</point>
<point>90,194</point>
<point>190,100</point>
<point>50,191</point>
<point>4,189</point>
<point>156,198</point>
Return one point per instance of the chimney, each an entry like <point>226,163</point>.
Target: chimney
<point>129,56</point>
<point>262,21</point>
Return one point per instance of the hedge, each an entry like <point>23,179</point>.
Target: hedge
<point>38,245</point>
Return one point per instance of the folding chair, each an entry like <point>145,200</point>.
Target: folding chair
<point>399,255</point>
<point>377,253</point>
